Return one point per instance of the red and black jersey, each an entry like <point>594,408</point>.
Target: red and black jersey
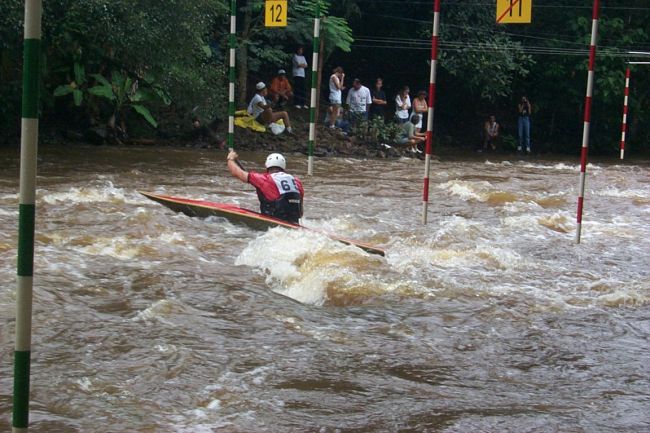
<point>280,194</point>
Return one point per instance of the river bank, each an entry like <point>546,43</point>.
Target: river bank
<point>179,131</point>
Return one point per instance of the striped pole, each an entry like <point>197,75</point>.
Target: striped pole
<point>432,101</point>
<point>232,42</point>
<point>314,92</point>
<point>624,124</point>
<point>587,119</point>
<point>27,214</point>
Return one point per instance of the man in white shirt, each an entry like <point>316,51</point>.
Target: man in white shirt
<point>261,110</point>
<point>298,66</point>
<point>359,101</point>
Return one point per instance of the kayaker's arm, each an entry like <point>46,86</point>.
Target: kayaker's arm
<point>235,167</point>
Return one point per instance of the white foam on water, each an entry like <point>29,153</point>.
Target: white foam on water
<point>158,311</point>
<point>409,258</point>
<point>560,166</point>
<point>303,265</point>
<point>119,247</point>
<point>172,238</point>
<point>617,228</point>
<point>12,212</point>
<point>624,298</point>
<point>277,253</point>
<point>521,206</point>
<point>457,228</point>
<point>559,221</point>
<point>84,383</point>
<point>166,348</point>
<point>106,193</point>
<point>466,190</point>
<point>529,222</point>
<point>214,405</point>
<point>626,193</point>
<point>10,197</point>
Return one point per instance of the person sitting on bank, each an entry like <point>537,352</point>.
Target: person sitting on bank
<point>490,133</point>
<point>280,194</point>
<point>410,136</point>
<point>262,111</point>
<point>281,91</point>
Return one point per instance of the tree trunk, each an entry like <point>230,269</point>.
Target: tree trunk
<point>633,128</point>
<point>319,78</point>
<point>242,58</point>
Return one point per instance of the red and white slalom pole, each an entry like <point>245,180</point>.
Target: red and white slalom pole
<point>587,119</point>
<point>432,101</point>
<point>624,124</point>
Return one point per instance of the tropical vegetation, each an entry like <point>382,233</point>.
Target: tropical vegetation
<point>144,67</point>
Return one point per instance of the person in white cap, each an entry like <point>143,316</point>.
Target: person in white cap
<point>280,194</point>
<point>262,111</point>
<point>281,91</point>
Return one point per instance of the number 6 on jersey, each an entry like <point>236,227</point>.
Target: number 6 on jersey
<point>275,13</point>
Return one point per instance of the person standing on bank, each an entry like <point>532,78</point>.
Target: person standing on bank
<point>421,108</point>
<point>403,105</point>
<point>298,67</point>
<point>490,133</point>
<point>523,124</point>
<point>378,107</point>
<point>336,94</point>
<point>359,101</point>
<point>280,194</point>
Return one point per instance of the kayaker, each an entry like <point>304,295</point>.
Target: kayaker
<point>280,194</point>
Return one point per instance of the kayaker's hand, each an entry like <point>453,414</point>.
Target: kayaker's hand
<point>232,156</point>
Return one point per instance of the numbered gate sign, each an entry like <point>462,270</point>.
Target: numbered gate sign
<point>275,13</point>
<point>514,11</point>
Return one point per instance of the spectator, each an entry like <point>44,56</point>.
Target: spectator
<point>262,112</point>
<point>280,91</point>
<point>341,123</point>
<point>403,105</point>
<point>359,101</point>
<point>378,107</point>
<point>336,87</point>
<point>490,133</point>
<point>523,124</point>
<point>421,108</point>
<point>409,136</point>
<point>299,65</point>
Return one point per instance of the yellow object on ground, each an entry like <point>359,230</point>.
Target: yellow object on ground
<point>245,120</point>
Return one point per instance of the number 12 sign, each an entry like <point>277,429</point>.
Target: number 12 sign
<point>275,13</point>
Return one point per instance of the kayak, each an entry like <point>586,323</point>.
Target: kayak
<point>246,217</point>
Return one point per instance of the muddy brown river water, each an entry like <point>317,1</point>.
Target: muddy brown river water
<point>488,319</point>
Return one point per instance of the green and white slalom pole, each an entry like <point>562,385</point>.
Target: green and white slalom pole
<point>314,92</point>
<point>232,42</point>
<point>27,214</point>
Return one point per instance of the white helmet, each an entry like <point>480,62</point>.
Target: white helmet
<point>275,160</point>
